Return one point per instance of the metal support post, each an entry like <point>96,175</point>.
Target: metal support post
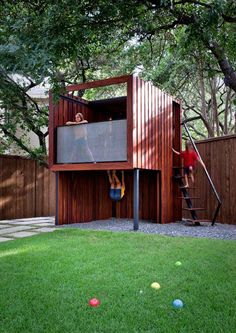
<point>136,199</point>
<point>56,213</point>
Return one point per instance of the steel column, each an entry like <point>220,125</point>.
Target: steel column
<point>56,213</point>
<point>136,199</point>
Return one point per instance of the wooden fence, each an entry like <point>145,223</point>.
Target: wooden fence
<point>26,189</point>
<point>219,155</point>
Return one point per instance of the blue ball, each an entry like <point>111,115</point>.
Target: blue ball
<point>177,304</point>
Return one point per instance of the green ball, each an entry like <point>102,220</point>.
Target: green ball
<point>178,263</point>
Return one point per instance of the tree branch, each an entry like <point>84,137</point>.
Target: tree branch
<point>15,139</point>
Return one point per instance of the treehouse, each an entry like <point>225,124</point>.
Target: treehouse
<point>132,126</point>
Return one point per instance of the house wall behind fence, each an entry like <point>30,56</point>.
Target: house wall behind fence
<point>26,189</point>
<point>219,155</point>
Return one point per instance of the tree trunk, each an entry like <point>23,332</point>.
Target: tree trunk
<point>205,117</point>
<point>214,105</point>
<point>225,66</point>
<point>42,143</point>
<point>227,102</point>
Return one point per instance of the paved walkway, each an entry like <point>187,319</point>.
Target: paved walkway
<point>20,228</point>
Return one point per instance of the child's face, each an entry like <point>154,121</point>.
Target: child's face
<point>78,118</point>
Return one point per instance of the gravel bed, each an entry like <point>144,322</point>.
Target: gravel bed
<point>218,231</point>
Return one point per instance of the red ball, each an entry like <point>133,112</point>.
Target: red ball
<point>94,302</point>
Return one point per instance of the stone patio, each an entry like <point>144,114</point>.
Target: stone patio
<point>20,228</point>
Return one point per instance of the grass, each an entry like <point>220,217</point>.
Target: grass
<point>47,280</point>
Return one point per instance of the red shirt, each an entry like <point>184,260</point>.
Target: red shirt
<point>190,157</point>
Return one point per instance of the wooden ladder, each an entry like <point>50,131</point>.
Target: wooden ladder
<point>188,198</point>
<point>184,190</point>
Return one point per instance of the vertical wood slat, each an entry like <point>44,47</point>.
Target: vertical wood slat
<point>170,145</point>
<point>135,122</point>
<point>63,181</point>
<point>218,155</point>
<point>65,112</point>
<point>130,120</point>
<point>143,123</point>
<point>152,139</point>
<point>44,191</point>
<point>39,185</point>
<point>158,130</point>
<point>139,126</point>
<point>61,113</point>
<point>155,92</point>
<point>146,124</point>
<point>165,161</point>
<point>232,188</point>
<point>163,180</point>
<point>154,142</point>
<point>26,190</point>
<point>149,126</point>
<point>51,129</point>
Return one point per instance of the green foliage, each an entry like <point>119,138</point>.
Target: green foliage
<point>105,92</point>
<point>76,41</point>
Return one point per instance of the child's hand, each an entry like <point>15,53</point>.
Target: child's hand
<point>175,151</point>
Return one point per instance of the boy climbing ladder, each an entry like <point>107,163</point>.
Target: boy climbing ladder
<point>190,158</point>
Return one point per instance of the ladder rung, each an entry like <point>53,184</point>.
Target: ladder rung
<point>188,198</point>
<point>199,221</point>
<point>193,208</point>
<point>181,177</point>
<point>187,188</point>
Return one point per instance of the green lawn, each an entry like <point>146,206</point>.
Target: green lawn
<point>46,282</point>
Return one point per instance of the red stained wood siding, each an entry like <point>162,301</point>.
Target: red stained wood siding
<point>153,138</point>
<point>149,113</point>
<point>99,83</point>
<point>84,197</point>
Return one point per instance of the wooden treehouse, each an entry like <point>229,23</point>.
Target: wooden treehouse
<point>134,133</point>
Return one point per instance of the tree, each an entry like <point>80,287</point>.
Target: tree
<point>32,49</point>
<point>69,42</point>
<point>21,111</point>
<point>208,104</point>
<point>208,25</point>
